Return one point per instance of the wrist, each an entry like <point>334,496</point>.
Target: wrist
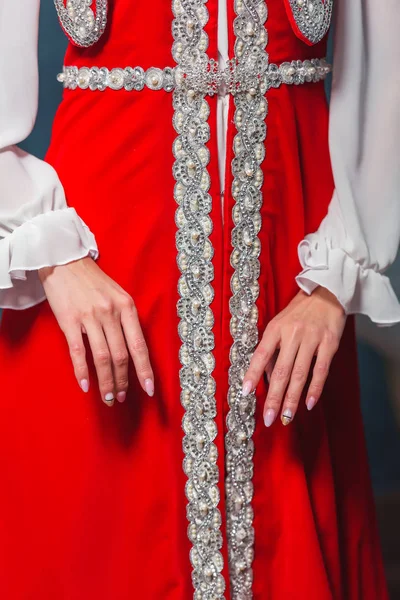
<point>43,272</point>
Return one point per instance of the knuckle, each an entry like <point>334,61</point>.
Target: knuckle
<point>273,400</point>
<point>139,345</point>
<point>102,357</point>
<point>105,307</point>
<point>299,373</point>
<point>88,313</point>
<point>106,385</point>
<point>280,372</point>
<point>316,388</point>
<point>291,398</point>
<point>126,302</point>
<point>77,349</point>
<point>322,368</point>
<point>144,370</point>
<point>122,383</point>
<point>261,354</point>
<point>120,359</point>
<point>80,370</point>
<point>331,339</point>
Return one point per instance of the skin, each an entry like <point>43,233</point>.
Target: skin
<point>309,326</point>
<point>85,301</point>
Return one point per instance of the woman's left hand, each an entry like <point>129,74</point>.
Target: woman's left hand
<point>309,326</point>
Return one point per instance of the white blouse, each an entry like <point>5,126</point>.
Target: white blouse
<point>356,241</point>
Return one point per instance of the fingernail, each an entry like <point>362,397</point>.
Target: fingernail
<point>84,385</point>
<point>121,396</point>
<point>311,402</point>
<point>109,399</point>
<point>149,386</point>
<point>247,387</point>
<point>269,417</point>
<point>287,416</point>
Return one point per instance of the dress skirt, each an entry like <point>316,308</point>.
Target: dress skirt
<point>94,499</point>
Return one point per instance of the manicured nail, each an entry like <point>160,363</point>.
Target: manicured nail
<point>287,416</point>
<point>149,386</point>
<point>121,396</point>
<point>247,387</point>
<point>269,417</point>
<point>109,399</point>
<point>85,385</point>
<point>311,402</point>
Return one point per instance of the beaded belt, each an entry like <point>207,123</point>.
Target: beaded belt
<point>206,78</point>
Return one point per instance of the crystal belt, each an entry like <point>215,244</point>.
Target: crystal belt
<point>205,78</point>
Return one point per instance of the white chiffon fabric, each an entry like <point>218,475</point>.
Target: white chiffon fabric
<point>37,228</point>
<point>355,243</point>
<point>359,237</point>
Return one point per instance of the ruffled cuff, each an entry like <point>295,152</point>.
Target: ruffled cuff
<point>359,290</point>
<point>49,239</point>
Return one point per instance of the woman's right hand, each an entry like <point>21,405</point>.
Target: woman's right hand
<point>85,300</point>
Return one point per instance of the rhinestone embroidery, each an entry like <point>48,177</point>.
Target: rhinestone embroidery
<point>130,78</point>
<point>79,22</point>
<point>312,17</point>
<point>250,112</point>
<point>233,79</point>
<point>195,253</point>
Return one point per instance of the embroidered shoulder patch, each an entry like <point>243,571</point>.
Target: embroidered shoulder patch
<point>310,19</point>
<point>82,23</point>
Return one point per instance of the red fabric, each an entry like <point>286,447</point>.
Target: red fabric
<point>93,503</point>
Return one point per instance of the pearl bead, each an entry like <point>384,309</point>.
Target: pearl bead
<point>250,29</point>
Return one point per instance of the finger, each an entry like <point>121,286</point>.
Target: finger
<point>320,374</point>
<point>260,359</point>
<point>102,360</point>
<point>298,378</point>
<point>270,367</point>
<point>138,348</point>
<point>279,381</point>
<point>119,356</point>
<point>77,352</point>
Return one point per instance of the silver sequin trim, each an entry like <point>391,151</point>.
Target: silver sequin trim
<point>79,21</point>
<point>313,17</point>
<point>250,112</point>
<point>233,79</point>
<point>195,253</point>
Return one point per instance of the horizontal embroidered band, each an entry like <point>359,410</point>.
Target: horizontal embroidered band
<point>204,78</point>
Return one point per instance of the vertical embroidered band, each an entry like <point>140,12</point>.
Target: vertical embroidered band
<point>195,252</point>
<point>250,113</point>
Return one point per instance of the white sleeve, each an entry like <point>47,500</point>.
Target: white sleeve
<point>359,237</point>
<point>37,228</point>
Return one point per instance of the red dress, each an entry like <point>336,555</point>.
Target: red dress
<point>96,502</point>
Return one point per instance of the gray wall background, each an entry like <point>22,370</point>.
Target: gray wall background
<point>379,349</point>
